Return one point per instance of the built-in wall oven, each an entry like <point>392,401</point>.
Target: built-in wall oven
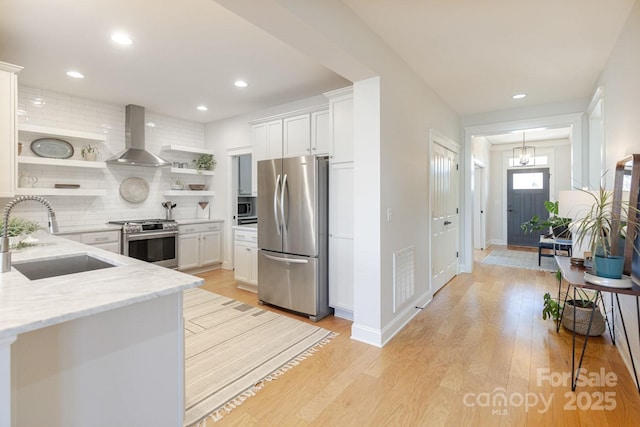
<point>152,240</point>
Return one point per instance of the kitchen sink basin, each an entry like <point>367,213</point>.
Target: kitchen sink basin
<point>52,267</point>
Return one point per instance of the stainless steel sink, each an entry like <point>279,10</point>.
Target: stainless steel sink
<point>52,267</point>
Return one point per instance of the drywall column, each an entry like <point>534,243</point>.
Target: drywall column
<point>366,188</point>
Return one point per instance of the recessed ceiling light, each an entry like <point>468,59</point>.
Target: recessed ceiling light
<point>241,83</point>
<point>150,124</point>
<point>121,38</point>
<point>202,108</point>
<point>75,74</point>
<point>519,96</point>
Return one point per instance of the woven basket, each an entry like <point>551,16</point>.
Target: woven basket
<point>582,320</point>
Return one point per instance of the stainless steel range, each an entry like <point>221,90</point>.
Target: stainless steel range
<point>151,240</point>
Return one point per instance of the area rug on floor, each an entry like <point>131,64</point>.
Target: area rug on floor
<point>232,349</point>
<point>520,259</point>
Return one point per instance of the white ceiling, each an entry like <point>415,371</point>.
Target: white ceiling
<point>474,53</point>
<point>184,53</point>
<point>478,53</point>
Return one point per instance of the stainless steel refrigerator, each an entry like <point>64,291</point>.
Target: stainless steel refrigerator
<point>292,234</point>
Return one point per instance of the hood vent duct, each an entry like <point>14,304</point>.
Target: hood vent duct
<point>134,153</point>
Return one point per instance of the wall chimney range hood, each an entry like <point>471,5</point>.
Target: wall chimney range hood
<point>134,153</point>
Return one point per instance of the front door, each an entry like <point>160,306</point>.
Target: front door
<point>527,190</point>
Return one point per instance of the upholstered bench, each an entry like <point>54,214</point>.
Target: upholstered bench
<point>555,245</point>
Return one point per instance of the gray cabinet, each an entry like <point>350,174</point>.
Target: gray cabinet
<point>244,175</point>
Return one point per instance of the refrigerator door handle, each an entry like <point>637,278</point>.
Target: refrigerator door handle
<point>282,191</point>
<point>275,204</point>
<point>287,260</point>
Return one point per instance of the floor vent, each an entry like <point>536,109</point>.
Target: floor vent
<point>403,277</point>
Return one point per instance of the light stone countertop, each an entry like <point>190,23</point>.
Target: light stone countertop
<point>246,227</point>
<point>88,229</point>
<point>27,305</point>
<point>197,221</point>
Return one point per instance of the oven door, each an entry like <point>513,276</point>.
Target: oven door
<point>159,248</point>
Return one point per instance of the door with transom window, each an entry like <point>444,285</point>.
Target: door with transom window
<point>527,190</point>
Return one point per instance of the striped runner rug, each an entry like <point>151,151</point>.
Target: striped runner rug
<point>232,349</point>
<point>520,259</point>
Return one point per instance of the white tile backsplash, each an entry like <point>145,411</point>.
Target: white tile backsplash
<point>47,108</point>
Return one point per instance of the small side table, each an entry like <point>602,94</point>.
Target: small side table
<point>574,277</point>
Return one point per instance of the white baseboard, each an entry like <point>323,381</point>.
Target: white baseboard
<point>380,337</point>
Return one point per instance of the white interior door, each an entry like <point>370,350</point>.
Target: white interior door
<point>444,215</point>
<point>479,209</point>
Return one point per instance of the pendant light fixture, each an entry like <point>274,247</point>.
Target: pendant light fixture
<point>525,155</point>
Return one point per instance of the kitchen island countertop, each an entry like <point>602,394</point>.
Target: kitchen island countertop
<point>27,305</point>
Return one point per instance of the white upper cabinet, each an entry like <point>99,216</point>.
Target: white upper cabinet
<point>320,138</point>
<point>298,133</point>
<point>8,130</point>
<point>274,139</point>
<point>297,136</point>
<point>259,152</point>
<point>341,124</point>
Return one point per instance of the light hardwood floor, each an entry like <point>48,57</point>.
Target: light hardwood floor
<point>482,336</point>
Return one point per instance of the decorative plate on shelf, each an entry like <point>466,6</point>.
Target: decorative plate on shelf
<point>134,190</point>
<point>623,283</point>
<point>52,148</point>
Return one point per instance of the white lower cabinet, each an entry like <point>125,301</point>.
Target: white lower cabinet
<point>108,240</point>
<point>199,245</point>
<point>246,259</point>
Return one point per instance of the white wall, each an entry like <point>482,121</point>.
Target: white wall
<point>559,154</point>
<point>224,136</point>
<point>391,146</point>
<point>622,130</point>
<point>52,109</point>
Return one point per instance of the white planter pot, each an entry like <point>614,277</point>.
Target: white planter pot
<point>582,320</point>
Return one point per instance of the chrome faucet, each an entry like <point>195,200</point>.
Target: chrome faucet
<point>5,254</point>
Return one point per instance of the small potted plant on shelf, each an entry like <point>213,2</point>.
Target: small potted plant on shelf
<point>89,152</point>
<point>206,162</point>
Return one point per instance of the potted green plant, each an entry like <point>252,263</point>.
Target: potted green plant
<point>89,152</point>
<point>594,230</point>
<point>18,228</point>
<point>580,307</point>
<point>206,162</point>
<point>553,226</point>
